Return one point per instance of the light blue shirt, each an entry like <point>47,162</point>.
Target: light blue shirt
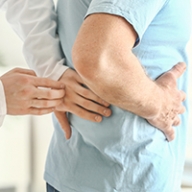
<point>123,153</point>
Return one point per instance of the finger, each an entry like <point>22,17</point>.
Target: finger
<point>169,133</point>
<point>83,113</point>
<point>25,71</point>
<point>94,107</point>
<point>88,94</point>
<point>49,83</point>
<point>42,103</point>
<point>178,69</point>
<point>181,109</point>
<point>183,95</point>
<point>49,93</point>
<point>62,118</point>
<point>176,121</point>
<point>21,71</point>
<point>37,111</point>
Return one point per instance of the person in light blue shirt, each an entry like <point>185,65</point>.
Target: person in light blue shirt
<point>112,44</point>
<point>120,50</point>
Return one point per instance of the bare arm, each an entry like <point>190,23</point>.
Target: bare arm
<point>102,55</point>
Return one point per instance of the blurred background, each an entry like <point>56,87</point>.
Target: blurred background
<point>24,140</point>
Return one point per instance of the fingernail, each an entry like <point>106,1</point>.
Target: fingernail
<point>98,118</point>
<point>106,112</point>
<point>183,65</point>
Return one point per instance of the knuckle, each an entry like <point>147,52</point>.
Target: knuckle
<point>79,112</point>
<point>17,69</point>
<point>24,108</point>
<point>49,94</point>
<point>176,123</point>
<point>167,126</point>
<point>31,103</point>
<point>26,92</point>
<point>180,67</point>
<point>170,77</point>
<point>180,96</point>
<point>25,79</point>
<point>177,68</point>
<point>86,104</point>
<point>181,110</point>
<point>174,113</point>
<point>45,103</point>
<point>85,93</point>
<point>39,112</point>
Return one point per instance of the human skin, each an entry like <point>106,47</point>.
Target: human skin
<point>80,101</point>
<point>23,95</point>
<point>41,30</point>
<point>99,57</point>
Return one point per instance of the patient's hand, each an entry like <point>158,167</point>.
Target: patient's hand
<point>173,98</point>
<point>80,101</point>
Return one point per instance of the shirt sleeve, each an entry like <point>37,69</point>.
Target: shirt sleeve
<point>35,22</point>
<point>2,4</point>
<point>3,107</point>
<point>139,13</point>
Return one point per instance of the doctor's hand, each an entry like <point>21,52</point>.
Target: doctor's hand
<point>80,101</point>
<point>172,98</point>
<point>23,95</point>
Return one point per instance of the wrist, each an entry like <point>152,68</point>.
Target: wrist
<point>153,102</point>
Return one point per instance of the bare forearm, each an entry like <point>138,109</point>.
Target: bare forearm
<point>127,87</point>
<point>107,65</point>
<point>102,55</point>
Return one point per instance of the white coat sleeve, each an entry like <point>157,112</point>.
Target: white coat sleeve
<point>3,107</point>
<point>2,4</point>
<point>35,21</point>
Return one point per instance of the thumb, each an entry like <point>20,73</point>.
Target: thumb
<point>178,69</point>
<point>170,134</point>
<point>63,121</point>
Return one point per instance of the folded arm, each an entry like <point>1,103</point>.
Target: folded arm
<point>102,55</point>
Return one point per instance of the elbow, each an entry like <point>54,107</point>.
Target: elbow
<point>78,61</point>
<point>83,64</point>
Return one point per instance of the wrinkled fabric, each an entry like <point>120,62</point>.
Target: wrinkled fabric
<point>123,153</point>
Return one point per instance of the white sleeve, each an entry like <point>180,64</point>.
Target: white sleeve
<point>3,107</point>
<point>2,4</point>
<point>35,21</point>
